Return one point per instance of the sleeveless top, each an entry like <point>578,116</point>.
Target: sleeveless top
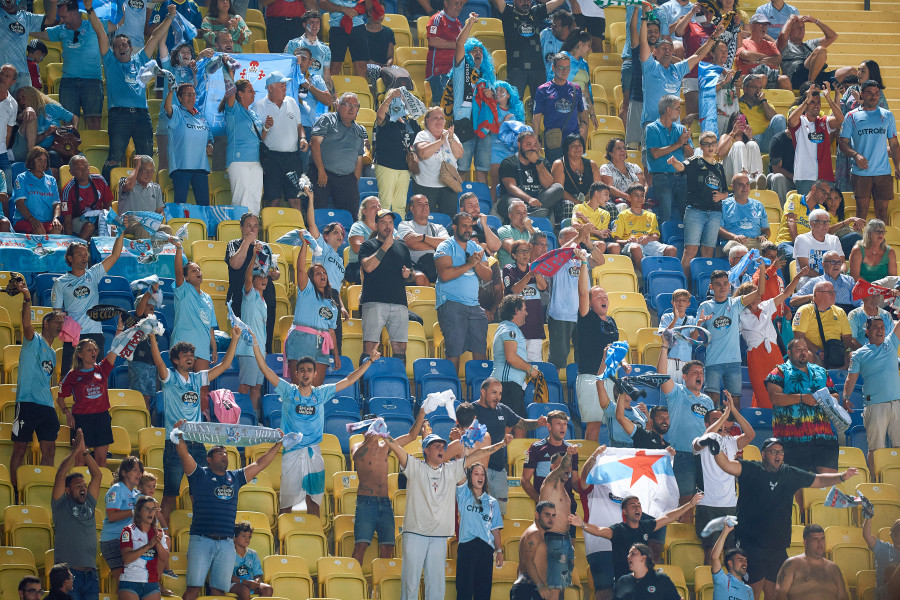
<point>575,184</point>
<point>870,273</point>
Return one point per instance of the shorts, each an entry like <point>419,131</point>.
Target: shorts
<point>96,427</point>
<point>882,420</point>
<point>83,96</point>
<point>701,227</point>
<point>626,73</point>
<point>588,398</point>
<point>111,551</point>
<point>143,377</point>
<point>498,483</point>
<point>276,183</point>
<point>24,226</point>
<point>725,375</point>
<point>215,558</point>
<point>249,371</point>
<point>479,149</point>
<point>763,563</point>
<point>500,152</point>
<point>601,564</point>
<point>560,560</point>
<point>879,187</point>
<point>141,590</point>
<point>685,467</point>
<point>690,84</point>
<point>653,248</point>
<point>464,327</point>
<point>374,514</point>
<point>377,315</point>
<point>357,41</point>
<point>302,475</point>
<point>596,26</point>
<point>173,471</point>
<point>705,514</point>
<point>32,418</point>
<point>811,455</point>
<point>513,396</point>
<point>300,344</point>
<point>801,76</point>
<point>524,590</point>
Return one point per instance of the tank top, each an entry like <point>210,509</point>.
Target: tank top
<point>575,184</point>
<point>870,273</point>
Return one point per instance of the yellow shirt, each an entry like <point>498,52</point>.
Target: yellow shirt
<point>629,224</point>
<point>834,323</point>
<point>598,218</point>
<point>792,205</point>
<point>756,117</point>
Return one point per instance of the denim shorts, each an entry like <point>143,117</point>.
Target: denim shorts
<point>560,560</point>
<point>374,514</point>
<point>727,375</point>
<point>172,469</point>
<point>601,564</point>
<point>626,73</point>
<point>701,227</point>
<point>141,590</point>
<point>84,95</point>
<point>685,473</point>
<point>480,149</point>
<point>300,344</point>
<point>206,556</point>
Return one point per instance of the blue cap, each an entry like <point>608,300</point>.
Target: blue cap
<point>431,438</point>
<point>276,77</point>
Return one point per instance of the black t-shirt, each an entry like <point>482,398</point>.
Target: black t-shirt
<point>379,42</point>
<point>525,176</point>
<point>236,279</point>
<point>702,180</point>
<point>496,420</point>
<point>782,147</point>
<point>594,335</point>
<point>523,36</point>
<point>571,181</point>
<point>391,142</point>
<point>385,283</point>
<point>764,504</point>
<point>637,75</point>
<point>648,439</point>
<point>652,586</point>
<point>624,537</point>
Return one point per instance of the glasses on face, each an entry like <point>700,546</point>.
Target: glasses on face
<point>829,292</point>
<point>818,222</point>
<point>708,144</point>
<point>834,262</point>
<point>776,452</point>
<point>350,106</point>
<point>562,68</point>
<point>881,231</point>
<point>34,591</point>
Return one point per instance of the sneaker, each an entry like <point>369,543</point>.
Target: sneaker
<point>170,573</point>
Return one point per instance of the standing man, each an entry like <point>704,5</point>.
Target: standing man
<point>764,508</point>
<point>810,575</point>
<point>9,108</point>
<point>15,28</point>
<point>460,263</point>
<point>86,191</point>
<point>559,108</point>
<point>430,511</point>
<point>544,453</point>
<point>866,132</point>
<point>313,98</point>
<point>388,268</point>
<point>73,501</point>
<point>284,138</point>
<point>532,581</point>
<point>338,141</point>
<point>522,23</point>
<point>812,135</point>
<point>443,29</point>
<point>776,13</point>
<point>665,139</point>
<point>320,53</point>
<point>552,38</point>
<point>214,490</point>
<point>730,585</point>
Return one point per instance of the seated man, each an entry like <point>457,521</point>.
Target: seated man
<point>744,220</point>
<point>421,236</point>
<point>85,192</point>
<point>796,215</point>
<point>834,324</point>
<point>760,55</point>
<point>519,228</point>
<point>843,284</point>
<point>761,117</point>
<point>806,61</point>
<point>139,192</point>
<point>810,247</point>
<point>636,230</point>
<point>526,176</point>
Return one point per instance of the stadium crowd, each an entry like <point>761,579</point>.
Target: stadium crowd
<point>461,221</point>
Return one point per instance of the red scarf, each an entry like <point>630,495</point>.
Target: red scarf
<point>484,112</point>
<point>377,13</point>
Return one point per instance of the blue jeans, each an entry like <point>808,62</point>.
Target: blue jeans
<point>723,376</point>
<point>85,586</point>
<point>126,124</point>
<point>478,150</point>
<point>195,178</point>
<point>81,96</point>
<point>438,83</point>
<point>669,190</point>
<point>374,514</point>
<point>560,560</point>
<point>764,139</point>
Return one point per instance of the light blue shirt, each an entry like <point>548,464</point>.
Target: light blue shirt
<point>195,315</point>
<point>564,293</point>
<point>247,567</point>
<point>122,86</point>
<point>182,75</point>
<point>312,311</point>
<point>321,53</point>
<point>617,436</point>
<point>724,331</point>
<point>682,349</point>
<point>310,108</point>
<point>40,195</point>
<point>332,261</point>
<point>776,18</point>
<point>748,219</point>
<point>508,331</point>
<point>858,318</point>
<point>686,412</point>
<point>37,361</point>
<point>335,18</point>
<point>658,136</point>
<point>76,295</point>
<point>53,114</point>
<point>118,497</point>
<point>843,288</point>
<point>188,136</point>
<point>462,109</point>
<point>463,289</point>
<point>243,139</point>
<point>885,555</point>
<point>728,587</point>
<point>81,59</point>
<point>668,13</point>
<point>304,414</point>
<point>868,132</point>
<point>254,314</point>
<point>14,32</point>
<point>135,14</point>
<point>478,518</point>
<point>181,397</point>
<point>658,82</point>
<point>878,366</point>
<point>550,45</point>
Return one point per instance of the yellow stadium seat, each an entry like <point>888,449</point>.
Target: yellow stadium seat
<point>12,574</point>
<point>340,577</point>
<point>344,486</point>
<point>216,269</point>
<point>281,216</point>
<point>28,526</point>
<point>356,84</point>
<point>386,577</point>
<point>503,578</point>
<point>120,448</point>
<point>684,554</point>
<point>847,548</point>
<point>886,499</point>
<point>151,443</point>
<point>400,27</point>
<point>629,320</point>
<point>263,541</point>
<point>848,456</point>
<point>201,249</point>
<point>257,32</point>
<point>826,516</point>
<point>259,498</point>
<point>130,418</point>
<point>703,583</point>
<point>254,16</point>
<point>289,575</point>
<point>676,574</point>
<point>607,76</point>
<point>353,294</point>
<point>35,484</point>
<point>302,535</point>
<point>16,555</point>
<point>51,81</point>
<point>519,507</point>
<point>13,306</point>
<point>516,450</point>
<point>7,333</point>
<point>402,54</point>
<point>886,462</point>
<point>865,585</point>
<point>196,230</point>
<point>228,230</point>
<point>416,346</point>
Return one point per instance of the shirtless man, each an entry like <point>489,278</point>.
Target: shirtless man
<point>557,538</point>
<point>373,503</point>
<point>810,576</point>
<point>532,581</point>
<point>465,415</point>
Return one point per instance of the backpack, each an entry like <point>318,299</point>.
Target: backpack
<point>225,407</point>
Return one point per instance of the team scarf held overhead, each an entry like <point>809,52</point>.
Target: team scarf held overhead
<point>549,263</point>
<point>471,78</point>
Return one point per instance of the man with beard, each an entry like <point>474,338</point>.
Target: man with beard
<point>73,501</point>
<point>652,438</point>
<point>810,575</point>
<point>730,585</point>
<point>532,581</point>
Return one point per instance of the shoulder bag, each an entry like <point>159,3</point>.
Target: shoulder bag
<point>553,138</point>
<point>832,350</point>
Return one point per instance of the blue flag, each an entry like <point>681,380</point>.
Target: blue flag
<point>615,354</point>
<point>708,75</point>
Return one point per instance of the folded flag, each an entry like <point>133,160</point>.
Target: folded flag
<point>474,434</point>
<point>127,342</point>
<point>749,261</point>
<point>549,263</point>
<point>718,524</point>
<point>615,354</point>
<point>359,425</point>
<point>864,289</point>
<point>147,74</point>
<point>150,221</point>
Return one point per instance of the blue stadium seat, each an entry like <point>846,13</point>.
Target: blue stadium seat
<point>651,264</point>
<point>158,405</point>
<point>554,385</point>
<point>118,379</point>
<point>705,266</point>
<point>479,7</point>
<point>17,169</point>
<point>571,376</point>
<point>431,366</point>
<point>164,354</point>
<point>535,410</point>
<point>761,421</point>
<point>552,241</point>
<point>270,404</point>
<point>368,186</point>
<point>344,404</point>
<point>441,425</point>
<point>43,286</point>
<point>336,424</point>
<point>542,224</point>
<point>663,282</point>
<point>386,377</point>
<point>384,405</point>
<point>114,283</point>
<point>229,380</point>
<point>440,219</point>
<point>481,190</point>
<point>324,216</point>
<point>701,287</point>
<point>439,383</point>
<point>664,305</point>
<point>671,231</point>
<point>642,369</point>
<point>493,221</point>
<point>119,299</point>
<point>346,367</point>
<point>746,388</point>
<point>476,372</point>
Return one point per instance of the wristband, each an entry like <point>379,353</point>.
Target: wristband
<point>379,254</point>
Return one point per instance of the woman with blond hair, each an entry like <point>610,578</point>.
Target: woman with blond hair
<point>871,258</point>
<point>39,118</point>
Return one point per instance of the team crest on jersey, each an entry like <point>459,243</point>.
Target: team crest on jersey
<point>315,65</point>
<point>136,4</point>
<point>721,322</point>
<point>326,313</point>
<point>81,291</point>
<point>17,28</point>
<point>242,571</point>
<point>651,589</point>
<point>190,398</point>
<point>224,492</point>
<point>204,316</point>
<point>574,270</point>
<point>149,554</point>
<point>47,366</point>
<point>699,409</point>
<point>110,497</point>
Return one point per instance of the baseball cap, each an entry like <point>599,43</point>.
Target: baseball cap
<point>661,41</point>
<point>758,18</point>
<point>431,438</point>
<point>276,77</point>
<point>770,442</point>
<point>383,212</point>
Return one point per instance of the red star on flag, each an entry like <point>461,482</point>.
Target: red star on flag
<point>642,466</point>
